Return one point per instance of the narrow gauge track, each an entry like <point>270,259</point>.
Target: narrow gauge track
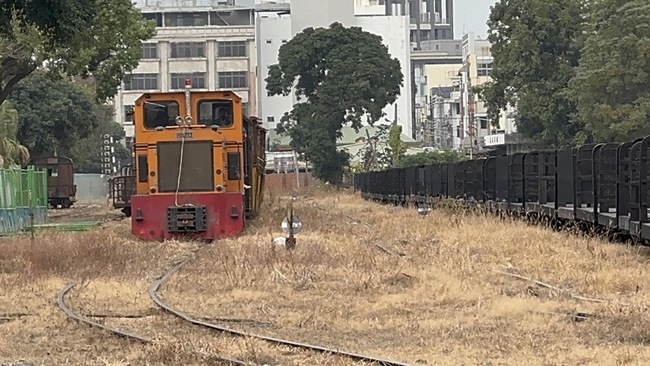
<point>60,300</point>
<point>154,296</point>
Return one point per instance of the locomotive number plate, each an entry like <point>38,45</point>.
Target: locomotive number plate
<point>181,135</point>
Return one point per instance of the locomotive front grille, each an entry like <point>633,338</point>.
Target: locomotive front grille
<point>197,173</point>
<point>190,219</point>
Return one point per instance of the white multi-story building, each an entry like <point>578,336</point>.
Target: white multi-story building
<point>211,42</point>
<point>277,24</point>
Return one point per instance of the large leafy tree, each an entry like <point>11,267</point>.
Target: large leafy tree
<point>612,84</point>
<point>342,74</point>
<point>536,48</point>
<point>72,37</point>
<point>87,153</point>
<point>62,117</point>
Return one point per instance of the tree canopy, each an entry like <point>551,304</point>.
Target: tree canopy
<point>536,47</point>
<point>612,83</point>
<point>342,74</point>
<point>98,38</point>
<point>430,157</point>
<point>577,71</point>
<point>63,117</point>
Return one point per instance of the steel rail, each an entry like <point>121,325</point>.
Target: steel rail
<point>153,289</point>
<point>60,300</point>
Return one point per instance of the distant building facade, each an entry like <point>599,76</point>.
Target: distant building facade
<point>477,69</point>
<point>211,42</point>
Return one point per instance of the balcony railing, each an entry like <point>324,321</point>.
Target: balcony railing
<point>425,18</point>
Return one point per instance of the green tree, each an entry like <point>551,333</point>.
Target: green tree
<point>342,74</point>
<point>11,152</point>
<point>87,152</point>
<point>397,146</point>
<point>98,38</point>
<point>536,48</point>
<point>376,154</point>
<point>431,157</point>
<point>612,84</point>
<point>53,114</point>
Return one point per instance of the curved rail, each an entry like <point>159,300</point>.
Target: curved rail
<point>61,302</point>
<point>154,296</point>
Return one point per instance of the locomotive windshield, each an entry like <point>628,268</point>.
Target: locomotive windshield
<point>161,113</point>
<point>216,112</point>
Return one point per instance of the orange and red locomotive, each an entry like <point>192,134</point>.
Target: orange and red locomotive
<point>198,165</point>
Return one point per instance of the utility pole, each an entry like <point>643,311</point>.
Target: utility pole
<point>295,166</point>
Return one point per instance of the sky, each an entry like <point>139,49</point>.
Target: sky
<point>471,15</point>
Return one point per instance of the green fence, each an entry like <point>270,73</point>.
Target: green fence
<point>23,192</point>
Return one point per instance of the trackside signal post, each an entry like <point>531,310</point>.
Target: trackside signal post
<point>292,229</point>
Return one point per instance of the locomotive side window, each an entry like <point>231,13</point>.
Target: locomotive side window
<point>216,112</point>
<point>161,113</point>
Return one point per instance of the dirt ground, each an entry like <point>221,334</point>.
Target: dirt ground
<point>84,211</point>
<point>367,278</point>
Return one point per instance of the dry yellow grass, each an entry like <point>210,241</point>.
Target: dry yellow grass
<point>369,278</point>
<point>438,297</point>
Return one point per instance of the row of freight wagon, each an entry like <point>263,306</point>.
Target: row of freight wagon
<point>600,184</point>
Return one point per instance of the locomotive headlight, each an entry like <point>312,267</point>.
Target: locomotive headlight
<point>188,120</point>
<point>179,120</point>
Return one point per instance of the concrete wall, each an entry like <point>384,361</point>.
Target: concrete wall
<point>91,186</point>
<point>283,183</point>
<point>322,13</point>
<point>394,31</point>
<point>441,75</point>
<point>272,31</point>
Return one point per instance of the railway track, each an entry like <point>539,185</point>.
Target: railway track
<point>60,300</point>
<point>153,294</point>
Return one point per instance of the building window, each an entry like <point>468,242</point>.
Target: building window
<point>156,17</point>
<point>484,68</point>
<point>232,79</point>
<point>178,80</point>
<point>483,122</point>
<point>232,49</point>
<point>188,49</point>
<point>128,113</point>
<point>141,82</point>
<point>149,51</point>
<point>186,19</point>
<point>268,41</point>
<point>270,119</point>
